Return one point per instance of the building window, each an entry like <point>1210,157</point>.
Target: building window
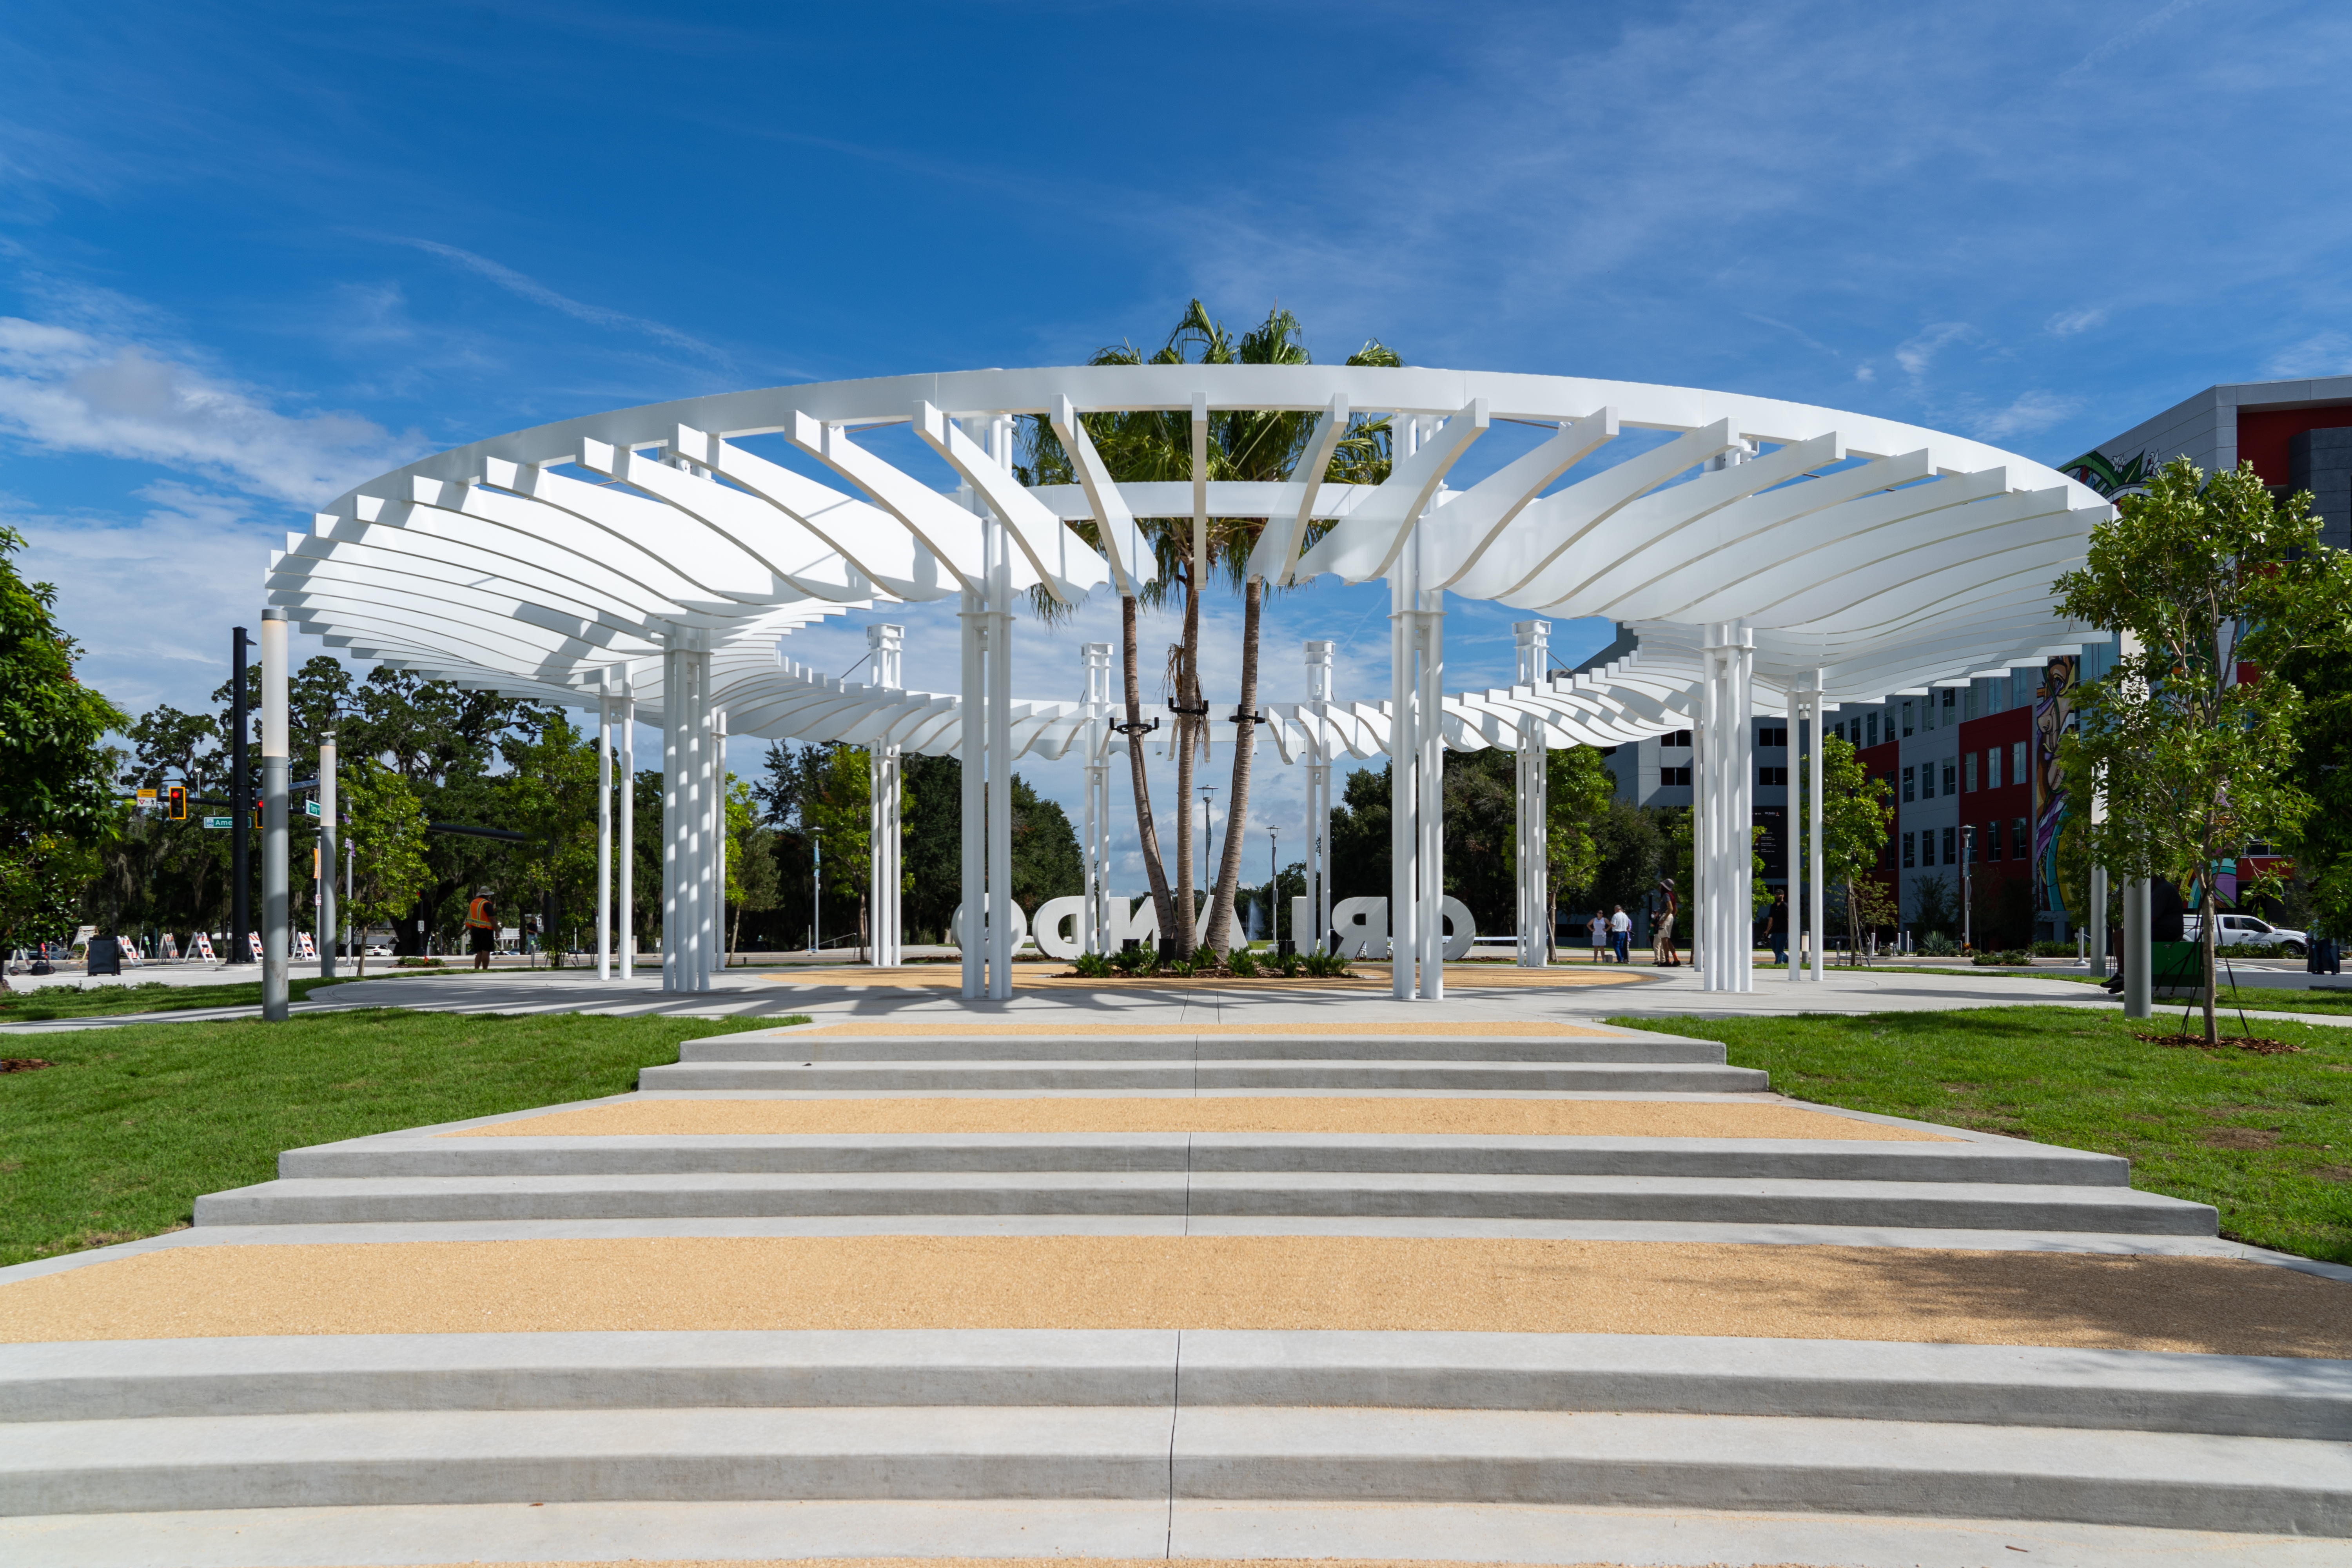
<point>1968,772</point>
<point>1951,704</point>
<point>1951,777</point>
<point>1992,767</point>
<point>1772,775</point>
<point>2017,763</point>
<point>1671,778</point>
<point>1773,735</point>
<point>1927,781</point>
<point>1908,784</point>
<point>1992,840</point>
<point>1951,847</point>
<point>1906,718</point>
<point>1907,849</point>
<point>2021,839</point>
<point>1873,729</point>
<point>1677,738</point>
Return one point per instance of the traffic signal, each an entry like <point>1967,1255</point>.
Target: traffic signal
<point>177,808</point>
<point>257,814</point>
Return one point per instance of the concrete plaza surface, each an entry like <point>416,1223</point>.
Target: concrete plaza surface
<point>1219,1270</point>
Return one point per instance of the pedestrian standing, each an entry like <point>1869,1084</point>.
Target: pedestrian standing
<point>481,926</point>
<point>1672,907</point>
<point>1620,926</point>
<point>1776,930</point>
<point>1599,929</point>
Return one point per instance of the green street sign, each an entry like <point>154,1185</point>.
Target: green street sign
<point>218,821</point>
<point>311,807</point>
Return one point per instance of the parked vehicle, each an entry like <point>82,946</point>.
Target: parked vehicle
<point>2245,931</point>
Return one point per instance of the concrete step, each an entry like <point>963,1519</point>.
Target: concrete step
<point>952,1075</point>
<point>1631,1047</point>
<point>1237,1453</point>
<point>1932,1204</point>
<point>1978,1385</point>
<point>406,1155</point>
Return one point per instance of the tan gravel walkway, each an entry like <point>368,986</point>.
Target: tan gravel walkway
<point>1043,1562</point>
<point>1233,1113</point>
<point>1515,1029</point>
<point>2200,1304</point>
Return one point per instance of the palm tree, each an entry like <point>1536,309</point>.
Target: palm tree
<point>1242,444</point>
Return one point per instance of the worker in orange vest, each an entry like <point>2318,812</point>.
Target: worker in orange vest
<point>481,927</point>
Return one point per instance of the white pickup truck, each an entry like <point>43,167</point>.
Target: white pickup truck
<point>2245,931</point>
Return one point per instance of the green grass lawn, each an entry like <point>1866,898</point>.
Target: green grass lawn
<point>2266,1140</point>
<point>2331,995</point>
<point>52,1001</point>
<point>118,1139</point>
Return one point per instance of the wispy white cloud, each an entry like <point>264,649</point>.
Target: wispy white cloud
<point>2066,323</point>
<point>2125,38</point>
<point>1918,352</point>
<point>539,294</point>
<point>63,389</point>
<point>2029,412</point>
<point>2325,353</point>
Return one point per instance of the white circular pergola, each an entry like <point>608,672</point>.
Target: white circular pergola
<point>1762,556</point>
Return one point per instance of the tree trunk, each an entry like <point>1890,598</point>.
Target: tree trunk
<point>1229,867</point>
<point>1188,696</point>
<point>1146,829</point>
<point>2208,932</point>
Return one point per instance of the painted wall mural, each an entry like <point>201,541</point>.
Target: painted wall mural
<point>2054,719</point>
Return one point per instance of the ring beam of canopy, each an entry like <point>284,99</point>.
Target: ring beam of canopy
<point>1804,556</point>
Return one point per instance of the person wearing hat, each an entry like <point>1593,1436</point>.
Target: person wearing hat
<point>481,926</point>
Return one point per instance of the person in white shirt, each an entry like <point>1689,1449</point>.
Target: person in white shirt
<point>1600,929</point>
<point>1620,926</point>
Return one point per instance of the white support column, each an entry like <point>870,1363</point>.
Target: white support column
<point>605,827</point>
<point>628,898</point>
<point>1429,732</point>
<point>714,907</point>
<point>277,756</point>
<point>1533,848</point>
<point>1318,791</point>
<point>1000,732</point>
<point>674,902</point>
<point>1404,799</point>
<point>1820,894</point>
<point>1729,808</point>
<point>1095,927</point>
<point>973,750</point>
<point>885,856</point>
<point>1792,831</point>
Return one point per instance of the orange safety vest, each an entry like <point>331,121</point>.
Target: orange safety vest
<point>478,915</point>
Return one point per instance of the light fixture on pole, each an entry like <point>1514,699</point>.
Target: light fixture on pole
<point>1208,835</point>
<point>1274,888</point>
<point>816,896</point>
<point>1968,867</point>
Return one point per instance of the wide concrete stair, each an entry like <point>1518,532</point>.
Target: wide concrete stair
<point>2214,1443</point>
<point>1257,1179</point>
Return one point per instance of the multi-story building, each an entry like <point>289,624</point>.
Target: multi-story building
<point>2296,434</point>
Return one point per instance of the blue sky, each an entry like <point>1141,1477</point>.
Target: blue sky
<point>251,254</point>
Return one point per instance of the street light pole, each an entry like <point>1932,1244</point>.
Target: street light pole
<point>1274,889</point>
<point>1968,903</point>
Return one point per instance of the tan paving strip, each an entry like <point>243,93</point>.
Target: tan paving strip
<point>1501,1028</point>
<point>2208,1305</point>
<point>1048,977</point>
<point>1220,1113</point>
<point>1040,1562</point>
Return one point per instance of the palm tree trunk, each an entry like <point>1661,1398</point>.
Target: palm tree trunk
<point>1188,696</point>
<point>1146,829</point>
<point>1229,867</point>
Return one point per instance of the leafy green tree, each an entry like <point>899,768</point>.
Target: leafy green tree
<point>57,775</point>
<point>2320,668</point>
<point>2203,577</point>
<point>1577,795</point>
<point>1855,816</point>
<point>1046,863</point>
<point>386,832</point>
<point>551,795</point>
<point>753,882</point>
<point>837,808</point>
